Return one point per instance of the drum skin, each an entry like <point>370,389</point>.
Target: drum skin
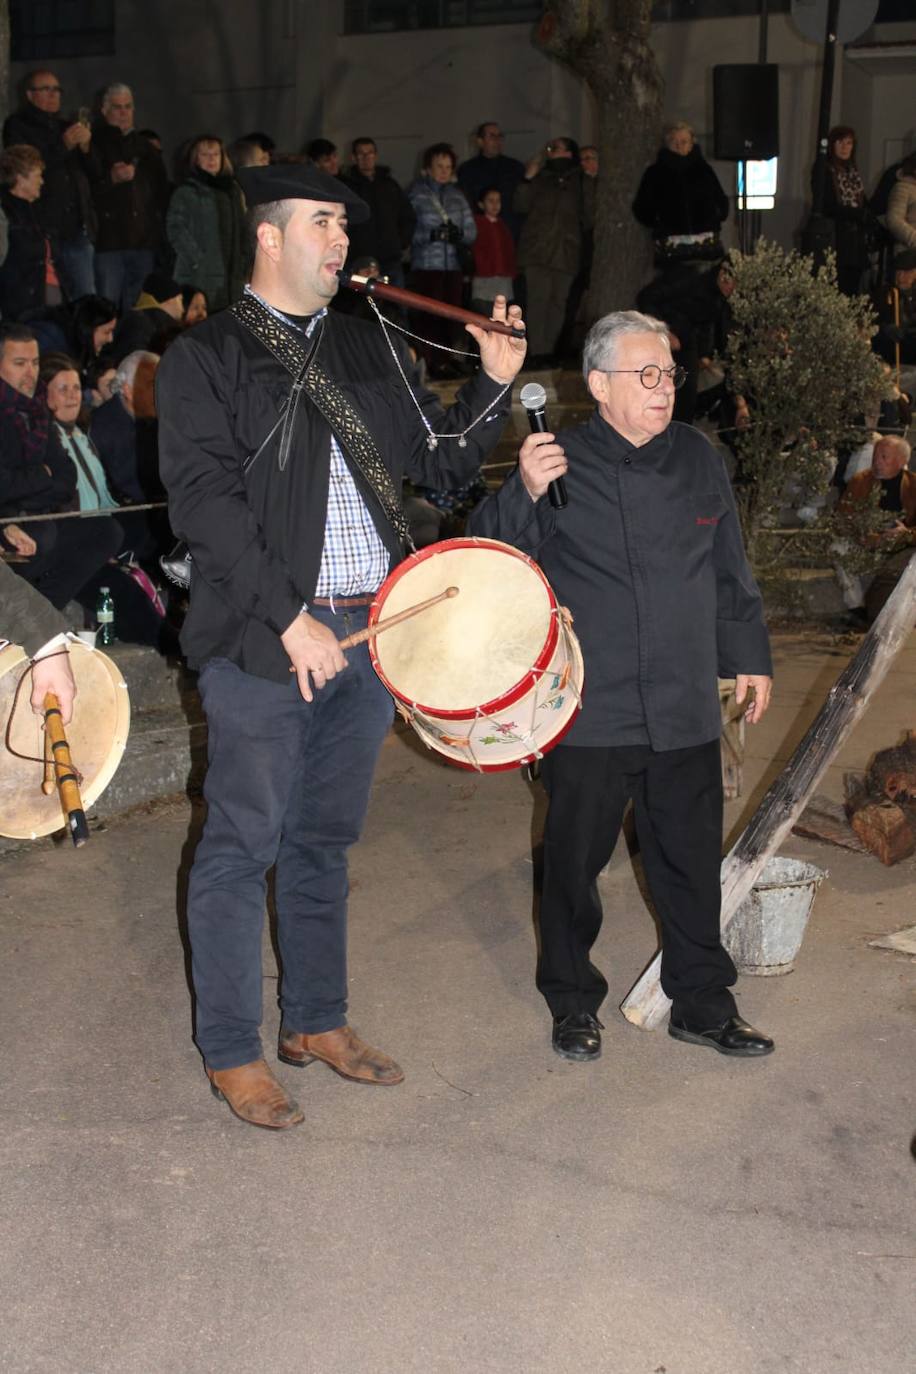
<point>491,678</point>
<point>96,735</point>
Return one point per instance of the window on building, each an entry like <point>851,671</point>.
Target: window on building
<point>388,16</point>
<point>670,10</point>
<point>44,29</point>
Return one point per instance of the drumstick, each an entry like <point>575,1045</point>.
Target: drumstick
<point>362,635</point>
<point>65,774</point>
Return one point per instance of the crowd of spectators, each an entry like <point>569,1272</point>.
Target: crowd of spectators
<point>105,258</point>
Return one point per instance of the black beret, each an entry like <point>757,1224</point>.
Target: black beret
<point>905,261</point>
<point>299,181</point>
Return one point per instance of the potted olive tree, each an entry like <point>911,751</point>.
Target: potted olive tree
<point>799,353</point>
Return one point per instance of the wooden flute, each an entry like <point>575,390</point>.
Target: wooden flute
<point>411,300</point>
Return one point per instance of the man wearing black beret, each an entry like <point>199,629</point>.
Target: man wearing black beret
<point>285,434</point>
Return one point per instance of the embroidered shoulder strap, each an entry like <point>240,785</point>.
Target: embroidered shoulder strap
<point>292,352</point>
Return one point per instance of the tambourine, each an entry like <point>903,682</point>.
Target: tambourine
<point>96,735</point>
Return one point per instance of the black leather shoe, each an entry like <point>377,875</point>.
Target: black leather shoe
<point>577,1036</point>
<point>733,1036</point>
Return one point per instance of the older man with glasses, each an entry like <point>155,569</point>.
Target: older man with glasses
<point>65,209</point>
<point>647,555</point>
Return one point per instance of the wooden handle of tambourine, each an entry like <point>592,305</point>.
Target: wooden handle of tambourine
<point>361,636</point>
<point>64,774</point>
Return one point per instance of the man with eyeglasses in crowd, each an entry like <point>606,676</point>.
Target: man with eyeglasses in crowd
<point>648,557</point>
<point>64,208</point>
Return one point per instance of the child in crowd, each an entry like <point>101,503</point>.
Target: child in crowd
<point>494,254</point>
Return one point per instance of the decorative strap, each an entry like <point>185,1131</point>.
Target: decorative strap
<point>354,437</point>
<point>291,351</point>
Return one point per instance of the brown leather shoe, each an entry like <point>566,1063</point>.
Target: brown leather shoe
<point>254,1095</point>
<point>344,1052</point>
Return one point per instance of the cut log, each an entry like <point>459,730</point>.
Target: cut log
<point>646,1004</point>
<point>885,829</point>
<point>892,772</point>
<point>825,819</point>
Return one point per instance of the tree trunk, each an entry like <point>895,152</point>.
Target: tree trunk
<point>4,58</point>
<point>606,43</point>
<point>646,1004</point>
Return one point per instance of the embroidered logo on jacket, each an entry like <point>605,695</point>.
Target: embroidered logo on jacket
<point>707,519</point>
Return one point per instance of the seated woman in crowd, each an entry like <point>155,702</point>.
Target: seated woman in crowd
<point>443,233</point>
<point>195,305</point>
<point>27,277</point>
<point>205,224</point>
<point>138,611</point>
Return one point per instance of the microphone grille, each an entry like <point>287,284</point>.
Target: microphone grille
<point>533,396</point>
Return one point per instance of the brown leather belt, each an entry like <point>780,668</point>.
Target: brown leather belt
<point>335,601</point>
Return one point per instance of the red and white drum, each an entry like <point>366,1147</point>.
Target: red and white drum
<point>491,678</point>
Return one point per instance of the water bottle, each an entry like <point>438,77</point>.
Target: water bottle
<point>104,614</point>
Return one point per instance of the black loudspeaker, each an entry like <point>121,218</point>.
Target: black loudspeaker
<point>745,103</point>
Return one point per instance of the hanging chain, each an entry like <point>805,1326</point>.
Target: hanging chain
<point>432,440</point>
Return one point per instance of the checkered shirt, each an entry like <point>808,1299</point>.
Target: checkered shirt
<point>353,560</point>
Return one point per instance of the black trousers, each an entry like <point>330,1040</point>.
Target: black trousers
<point>69,552</point>
<point>677,797</point>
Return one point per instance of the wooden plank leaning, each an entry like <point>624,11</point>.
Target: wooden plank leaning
<point>646,1004</point>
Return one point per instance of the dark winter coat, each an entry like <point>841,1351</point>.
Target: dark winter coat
<point>257,541</point>
<point>647,555</point>
<point>559,205</point>
<point>22,276</point>
<point>481,173</point>
<point>131,214</point>
<point>850,225</point>
<point>680,194</point>
<point>65,206</point>
<point>389,231</point>
<point>38,483</point>
<point>206,227</point>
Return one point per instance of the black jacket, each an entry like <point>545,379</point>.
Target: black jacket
<point>680,195</point>
<point>389,230</point>
<point>647,556</point>
<point>36,485</point>
<point>65,206</point>
<point>131,214</point>
<point>257,541</point>
<point>22,275</point>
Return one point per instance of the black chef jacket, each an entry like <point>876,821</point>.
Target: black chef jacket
<point>648,557</point>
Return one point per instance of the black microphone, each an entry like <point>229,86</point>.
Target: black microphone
<point>534,398</point>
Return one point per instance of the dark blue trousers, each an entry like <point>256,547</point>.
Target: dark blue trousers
<point>287,784</point>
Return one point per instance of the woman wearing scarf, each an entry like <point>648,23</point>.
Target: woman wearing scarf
<point>138,610</point>
<point>205,224</point>
<point>844,203</point>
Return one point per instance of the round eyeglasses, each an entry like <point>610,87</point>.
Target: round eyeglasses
<point>651,375</point>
